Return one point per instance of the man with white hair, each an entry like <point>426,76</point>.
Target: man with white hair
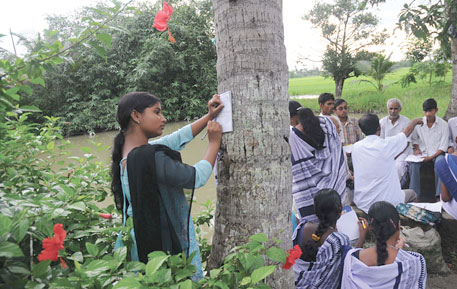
<point>392,125</point>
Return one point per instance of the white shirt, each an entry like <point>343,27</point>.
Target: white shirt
<point>452,123</point>
<point>432,139</point>
<point>389,129</point>
<point>375,174</point>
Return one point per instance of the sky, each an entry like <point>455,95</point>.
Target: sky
<point>304,44</point>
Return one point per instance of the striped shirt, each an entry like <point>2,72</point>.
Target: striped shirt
<point>326,271</point>
<point>351,131</point>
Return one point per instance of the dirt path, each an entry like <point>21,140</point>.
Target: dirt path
<point>440,282</point>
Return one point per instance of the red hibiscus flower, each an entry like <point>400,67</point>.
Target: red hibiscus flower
<point>51,246</point>
<point>170,37</point>
<point>292,255</point>
<point>106,216</point>
<point>162,17</point>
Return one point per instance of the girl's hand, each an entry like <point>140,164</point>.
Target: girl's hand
<point>400,243</point>
<point>214,132</point>
<point>215,106</point>
<point>363,227</point>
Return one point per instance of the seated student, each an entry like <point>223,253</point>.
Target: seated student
<point>385,265</point>
<point>394,124</point>
<point>431,141</point>
<point>317,161</point>
<point>350,125</point>
<point>293,112</point>
<point>446,169</point>
<point>373,158</point>
<point>322,245</point>
<point>452,123</point>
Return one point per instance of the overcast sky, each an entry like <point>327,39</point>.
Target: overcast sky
<point>301,40</point>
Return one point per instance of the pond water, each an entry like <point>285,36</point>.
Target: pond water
<point>190,155</point>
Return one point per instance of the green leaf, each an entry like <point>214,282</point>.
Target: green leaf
<point>38,80</point>
<point>5,224</point>
<point>40,268</point>
<point>20,229</point>
<point>260,237</point>
<point>34,285</point>
<point>245,281</point>
<point>127,283</point>
<point>120,254</point>
<point>27,89</point>
<point>105,39</point>
<point>277,254</point>
<point>79,206</point>
<point>214,273</point>
<point>77,256</point>
<point>50,145</point>
<point>96,267</point>
<point>30,108</point>
<point>92,249</point>
<point>9,250</point>
<point>21,269</point>
<point>185,285</point>
<point>155,264</point>
<point>261,273</point>
<point>86,149</point>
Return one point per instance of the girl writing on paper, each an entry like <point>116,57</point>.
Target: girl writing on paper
<point>148,177</point>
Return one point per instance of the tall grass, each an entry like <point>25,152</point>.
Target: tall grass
<point>362,97</point>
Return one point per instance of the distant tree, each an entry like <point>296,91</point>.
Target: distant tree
<point>380,66</point>
<point>349,27</point>
<point>436,20</point>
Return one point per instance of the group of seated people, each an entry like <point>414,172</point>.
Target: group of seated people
<point>339,161</point>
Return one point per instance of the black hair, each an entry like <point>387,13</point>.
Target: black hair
<point>338,102</point>
<point>324,97</point>
<point>384,221</point>
<point>429,104</point>
<point>327,206</point>
<point>314,135</point>
<point>293,106</point>
<point>369,123</point>
<point>138,101</point>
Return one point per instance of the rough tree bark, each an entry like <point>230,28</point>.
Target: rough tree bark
<point>452,108</point>
<point>254,171</point>
<point>339,87</point>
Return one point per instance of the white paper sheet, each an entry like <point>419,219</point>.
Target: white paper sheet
<point>434,207</point>
<point>348,224</point>
<point>415,158</point>
<point>348,149</point>
<point>225,116</point>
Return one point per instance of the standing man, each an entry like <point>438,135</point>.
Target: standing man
<point>452,122</point>
<point>375,175</point>
<point>350,125</point>
<point>327,105</point>
<point>394,124</point>
<point>430,141</point>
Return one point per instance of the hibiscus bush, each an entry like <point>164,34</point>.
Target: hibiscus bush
<point>54,234</point>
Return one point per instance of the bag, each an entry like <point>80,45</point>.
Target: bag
<point>418,214</point>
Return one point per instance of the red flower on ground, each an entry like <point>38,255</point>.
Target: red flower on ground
<point>67,123</point>
<point>292,255</point>
<point>162,17</point>
<point>106,216</point>
<point>51,246</point>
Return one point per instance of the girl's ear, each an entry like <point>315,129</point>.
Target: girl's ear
<point>134,115</point>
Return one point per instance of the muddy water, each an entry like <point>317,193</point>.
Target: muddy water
<point>191,154</point>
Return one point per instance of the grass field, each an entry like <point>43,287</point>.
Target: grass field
<point>363,97</point>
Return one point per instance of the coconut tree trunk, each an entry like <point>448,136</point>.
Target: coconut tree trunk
<point>452,108</point>
<point>254,171</point>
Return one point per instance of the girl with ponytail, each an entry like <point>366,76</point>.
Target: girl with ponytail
<point>148,177</point>
<point>322,245</point>
<point>386,265</point>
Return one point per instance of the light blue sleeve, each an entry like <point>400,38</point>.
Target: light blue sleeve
<point>203,170</point>
<point>177,140</point>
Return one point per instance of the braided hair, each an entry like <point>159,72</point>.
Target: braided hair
<point>313,132</point>
<point>327,205</point>
<point>138,101</point>
<point>384,220</point>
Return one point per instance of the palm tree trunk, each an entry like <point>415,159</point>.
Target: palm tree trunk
<point>254,171</point>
